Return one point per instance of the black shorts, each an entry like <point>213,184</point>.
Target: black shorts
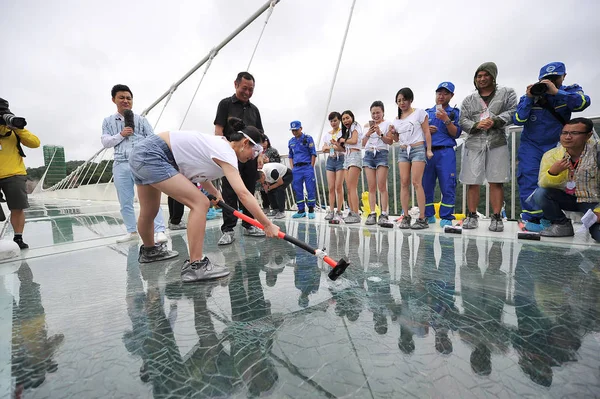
<point>15,191</point>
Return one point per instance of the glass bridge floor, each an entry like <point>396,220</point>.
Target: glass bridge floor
<point>417,314</point>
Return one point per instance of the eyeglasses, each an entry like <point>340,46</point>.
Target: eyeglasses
<point>572,134</point>
<point>257,149</point>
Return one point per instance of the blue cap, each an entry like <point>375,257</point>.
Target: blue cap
<point>446,85</point>
<point>553,68</point>
<point>295,125</point>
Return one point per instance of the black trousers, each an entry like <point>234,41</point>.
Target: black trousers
<point>249,174</point>
<point>277,196</point>
<point>175,211</point>
<point>266,202</point>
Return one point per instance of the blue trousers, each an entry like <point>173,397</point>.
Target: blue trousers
<point>529,158</point>
<point>443,168</point>
<point>304,176</point>
<point>553,201</point>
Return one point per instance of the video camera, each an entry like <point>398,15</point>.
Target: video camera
<point>539,89</point>
<point>8,118</point>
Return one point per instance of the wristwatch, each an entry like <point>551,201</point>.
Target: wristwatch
<point>447,122</point>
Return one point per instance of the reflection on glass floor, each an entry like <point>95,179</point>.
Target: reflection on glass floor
<point>419,314</point>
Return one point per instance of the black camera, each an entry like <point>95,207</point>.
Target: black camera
<point>8,118</point>
<point>538,89</point>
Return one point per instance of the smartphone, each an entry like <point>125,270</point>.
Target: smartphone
<point>371,123</point>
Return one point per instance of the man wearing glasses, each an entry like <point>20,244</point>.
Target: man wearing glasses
<point>543,111</point>
<point>569,180</point>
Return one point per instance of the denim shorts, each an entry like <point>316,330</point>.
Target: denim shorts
<point>416,154</point>
<point>354,158</point>
<point>335,164</point>
<point>151,161</point>
<point>373,160</point>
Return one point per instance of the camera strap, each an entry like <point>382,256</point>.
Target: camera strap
<point>19,148</point>
<point>546,105</point>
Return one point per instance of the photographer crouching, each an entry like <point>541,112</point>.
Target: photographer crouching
<point>13,176</point>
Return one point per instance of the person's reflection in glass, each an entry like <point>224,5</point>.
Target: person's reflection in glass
<point>348,293</point>
<point>483,300</point>
<point>252,331</point>
<point>33,351</point>
<point>548,333</point>
<point>379,297</point>
<point>440,288</point>
<point>274,255</point>
<point>307,276</point>
<point>410,314</point>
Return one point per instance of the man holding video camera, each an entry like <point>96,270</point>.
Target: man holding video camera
<point>543,111</point>
<point>13,175</point>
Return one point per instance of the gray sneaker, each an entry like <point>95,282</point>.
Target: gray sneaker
<point>279,215</point>
<point>471,222</point>
<point>383,219</point>
<point>201,270</point>
<point>179,226</point>
<point>420,224</point>
<point>559,230</point>
<point>253,231</point>
<point>329,215</point>
<point>155,253</point>
<point>352,218</point>
<point>271,213</point>
<point>405,222</point>
<point>227,238</point>
<point>496,224</point>
<point>371,219</point>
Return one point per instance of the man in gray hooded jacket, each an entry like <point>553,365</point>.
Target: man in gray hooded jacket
<point>484,116</point>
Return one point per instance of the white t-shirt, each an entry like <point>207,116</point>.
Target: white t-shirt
<point>194,153</point>
<point>355,126</point>
<point>375,143</point>
<point>409,129</point>
<point>271,166</point>
<point>327,137</point>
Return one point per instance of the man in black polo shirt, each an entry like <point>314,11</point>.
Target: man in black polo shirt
<point>239,106</point>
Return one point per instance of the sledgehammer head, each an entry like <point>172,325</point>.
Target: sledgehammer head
<point>338,270</point>
<point>528,235</point>
<point>334,221</point>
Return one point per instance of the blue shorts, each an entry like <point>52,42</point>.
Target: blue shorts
<point>151,161</point>
<point>416,154</point>
<point>354,158</point>
<point>335,164</point>
<point>374,160</point>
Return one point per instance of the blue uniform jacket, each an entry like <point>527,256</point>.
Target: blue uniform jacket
<point>540,128</point>
<point>302,149</point>
<point>442,138</point>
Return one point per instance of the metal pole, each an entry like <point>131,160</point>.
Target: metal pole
<point>513,142</point>
<point>214,51</point>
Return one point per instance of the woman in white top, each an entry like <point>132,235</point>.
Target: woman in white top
<point>335,165</point>
<point>351,142</point>
<point>375,163</point>
<point>411,130</point>
<point>171,162</point>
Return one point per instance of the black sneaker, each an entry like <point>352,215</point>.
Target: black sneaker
<point>155,253</point>
<point>201,270</point>
<point>20,243</point>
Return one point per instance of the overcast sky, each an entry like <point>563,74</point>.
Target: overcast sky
<point>61,58</point>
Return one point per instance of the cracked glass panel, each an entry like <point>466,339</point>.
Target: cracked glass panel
<point>414,315</point>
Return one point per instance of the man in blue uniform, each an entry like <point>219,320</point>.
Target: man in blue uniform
<point>302,155</point>
<point>444,129</point>
<point>543,116</point>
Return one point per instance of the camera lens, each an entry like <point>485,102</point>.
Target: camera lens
<point>538,89</point>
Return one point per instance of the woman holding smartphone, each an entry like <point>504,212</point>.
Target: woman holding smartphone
<point>351,142</point>
<point>411,130</point>
<point>335,166</point>
<point>376,142</point>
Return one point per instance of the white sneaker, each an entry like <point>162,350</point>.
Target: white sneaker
<point>134,236</point>
<point>160,237</point>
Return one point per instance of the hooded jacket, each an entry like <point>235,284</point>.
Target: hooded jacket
<point>501,108</point>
